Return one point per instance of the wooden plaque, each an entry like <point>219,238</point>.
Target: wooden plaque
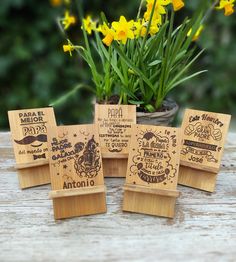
<point>76,171</point>
<point>115,123</point>
<point>152,173</point>
<point>204,135</point>
<point>29,138</point>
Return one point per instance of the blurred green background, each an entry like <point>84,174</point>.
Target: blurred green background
<point>34,71</point>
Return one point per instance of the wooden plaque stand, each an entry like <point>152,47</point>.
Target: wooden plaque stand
<point>204,135</point>
<point>78,202</point>
<point>152,172</point>
<point>29,137</point>
<point>76,171</point>
<point>33,174</point>
<point>114,165</point>
<point>115,123</point>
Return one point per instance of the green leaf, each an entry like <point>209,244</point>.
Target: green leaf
<point>150,108</point>
<point>136,102</point>
<point>156,62</point>
<point>62,99</point>
<point>185,79</point>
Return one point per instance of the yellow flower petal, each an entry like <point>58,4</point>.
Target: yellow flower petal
<point>229,10</point>
<point>108,39</point>
<point>177,4</point>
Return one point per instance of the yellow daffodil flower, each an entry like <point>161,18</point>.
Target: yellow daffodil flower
<point>108,33</point>
<point>68,48</point>
<point>177,4</point>
<point>68,20</point>
<point>108,39</point>
<point>158,10</point>
<point>104,29</point>
<point>89,24</point>
<point>155,27</point>
<point>198,33</point>
<point>227,5</point>
<point>140,28</point>
<point>123,30</point>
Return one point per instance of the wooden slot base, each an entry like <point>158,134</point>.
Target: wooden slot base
<point>195,178</point>
<point>79,202</point>
<point>115,167</point>
<point>157,202</point>
<point>34,176</point>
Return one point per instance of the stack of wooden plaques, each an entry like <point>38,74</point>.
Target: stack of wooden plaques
<point>204,135</point>
<point>29,138</point>
<point>76,171</point>
<point>115,123</point>
<point>152,173</point>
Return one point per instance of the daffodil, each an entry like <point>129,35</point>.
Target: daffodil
<point>108,33</point>
<point>159,8</point>
<point>89,24</point>
<point>123,30</point>
<point>69,47</point>
<point>177,4</point>
<point>197,34</point>
<point>68,20</point>
<point>155,27</point>
<point>227,5</point>
<point>140,28</point>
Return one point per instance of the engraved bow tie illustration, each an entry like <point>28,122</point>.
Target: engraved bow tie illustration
<point>39,156</point>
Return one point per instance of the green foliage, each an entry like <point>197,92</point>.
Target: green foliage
<point>34,71</point>
<point>33,68</point>
<point>160,62</point>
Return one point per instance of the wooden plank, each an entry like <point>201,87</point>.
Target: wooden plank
<point>76,192</point>
<point>204,222</point>
<point>29,133</point>
<point>76,168</point>
<point>204,135</point>
<point>197,178</point>
<point>115,123</point>
<point>154,191</point>
<point>33,164</point>
<point>153,165</point>
<point>29,139</point>
<point>114,167</point>
<point>34,176</point>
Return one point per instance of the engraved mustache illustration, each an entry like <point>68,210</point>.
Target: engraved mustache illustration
<point>115,150</point>
<point>30,139</point>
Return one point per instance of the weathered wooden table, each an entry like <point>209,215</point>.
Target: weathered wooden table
<point>204,228</point>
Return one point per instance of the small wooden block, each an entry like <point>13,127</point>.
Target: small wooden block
<point>204,135</point>
<point>152,173</point>
<point>150,204</point>
<point>115,123</point>
<point>76,171</point>
<point>81,205</point>
<point>29,138</point>
<point>114,167</point>
<point>195,178</point>
<point>34,176</point>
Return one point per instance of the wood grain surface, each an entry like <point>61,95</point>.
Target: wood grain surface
<point>204,228</point>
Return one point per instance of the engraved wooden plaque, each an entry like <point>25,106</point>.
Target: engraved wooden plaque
<point>29,138</point>
<point>115,123</point>
<point>204,135</point>
<point>152,173</point>
<point>76,171</point>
